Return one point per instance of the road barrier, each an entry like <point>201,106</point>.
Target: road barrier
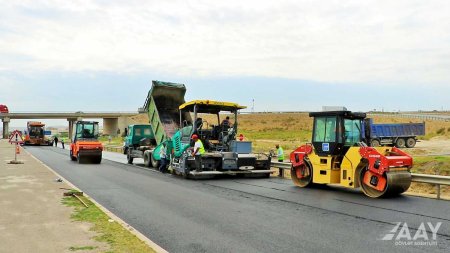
<point>118,149</point>
<point>418,178</point>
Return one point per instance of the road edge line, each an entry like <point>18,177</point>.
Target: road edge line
<point>125,225</point>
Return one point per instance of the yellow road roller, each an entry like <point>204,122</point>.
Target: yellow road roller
<point>338,154</point>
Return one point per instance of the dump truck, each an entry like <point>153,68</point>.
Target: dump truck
<point>35,134</point>
<point>139,139</point>
<point>339,155</point>
<point>161,105</point>
<point>172,124</point>
<point>400,135</point>
<point>85,146</point>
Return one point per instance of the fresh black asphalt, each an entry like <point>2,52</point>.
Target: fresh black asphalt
<point>248,215</point>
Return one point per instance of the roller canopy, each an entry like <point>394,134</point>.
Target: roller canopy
<point>210,106</point>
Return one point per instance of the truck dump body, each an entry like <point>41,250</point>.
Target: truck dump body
<point>162,104</point>
<point>397,130</point>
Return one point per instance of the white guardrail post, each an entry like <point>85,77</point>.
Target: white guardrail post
<point>418,178</point>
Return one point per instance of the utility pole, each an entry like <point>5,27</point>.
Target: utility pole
<point>253,105</point>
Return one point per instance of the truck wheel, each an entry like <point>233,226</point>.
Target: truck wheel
<point>410,142</point>
<point>375,143</point>
<point>400,143</point>
<point>129,157</point>
<point>147,159</point>
<point>155,163</point>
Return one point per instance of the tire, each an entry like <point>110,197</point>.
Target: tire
<point>410,142</point>
<point>129,157</point>
<point>155,163</point>
<point>400,143</point>
<point>147,161</point>
<point>186,173</point>
<point>73,158</point>
<point>302,176</point>
<point>375,143</point>
<point>98,160</point>
<point>79,158</point>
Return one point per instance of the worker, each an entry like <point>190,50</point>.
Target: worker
<point>199,150</point>
<point>62,143</point>
<point>280,153</point>
<point>163,156</point>
<point>226,122</point>
<point>56,141</point>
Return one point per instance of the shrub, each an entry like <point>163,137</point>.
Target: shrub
<point>440,131</point>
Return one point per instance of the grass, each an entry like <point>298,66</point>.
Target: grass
<point>115,141</point>
<point>118,238</point>
<point>83,248</point>
<point>437,165</point>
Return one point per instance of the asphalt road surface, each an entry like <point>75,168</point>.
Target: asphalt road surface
<point>252,215</point>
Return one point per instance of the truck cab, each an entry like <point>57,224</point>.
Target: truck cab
<point>138,135</point>
<point>4,109</point>
<point>139,139</point>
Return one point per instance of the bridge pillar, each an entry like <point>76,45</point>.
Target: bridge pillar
<point>110,126</point>
<point>5,128</point>
<point>71,123</point>
<point>70,129</point>
<point>123,123</point>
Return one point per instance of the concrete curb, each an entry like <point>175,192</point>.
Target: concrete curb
<point>125,225</point>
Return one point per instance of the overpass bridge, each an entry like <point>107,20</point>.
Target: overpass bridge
<point>111,120</point>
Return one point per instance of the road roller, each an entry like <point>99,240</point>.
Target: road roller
<point>338,154</point>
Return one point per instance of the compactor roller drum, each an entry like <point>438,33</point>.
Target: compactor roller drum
<point>302,175</point>
<point>395,184</point>
<point>338,155</point>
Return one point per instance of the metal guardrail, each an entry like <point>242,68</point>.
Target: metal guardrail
<point>118,149</point>
<point>418,178</point>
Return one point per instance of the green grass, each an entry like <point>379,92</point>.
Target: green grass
<point>264,140</point>
<point>432,165</point>
<point>118,238</point>
<point>84,248</point>
<point>115,141</point>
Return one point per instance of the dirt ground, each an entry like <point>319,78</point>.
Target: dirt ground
<point>439,145</point>
<point>33,218</point>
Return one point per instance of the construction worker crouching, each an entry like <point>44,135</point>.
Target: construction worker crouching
<point>163,156</point>
<point>199,150</point>
<point>280,153</point>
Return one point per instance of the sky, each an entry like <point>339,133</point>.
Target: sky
<point>285,55</point>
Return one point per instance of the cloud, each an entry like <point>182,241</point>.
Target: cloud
<point>392,42</point>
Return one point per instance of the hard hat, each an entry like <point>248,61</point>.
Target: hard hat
<point>194,137</point>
